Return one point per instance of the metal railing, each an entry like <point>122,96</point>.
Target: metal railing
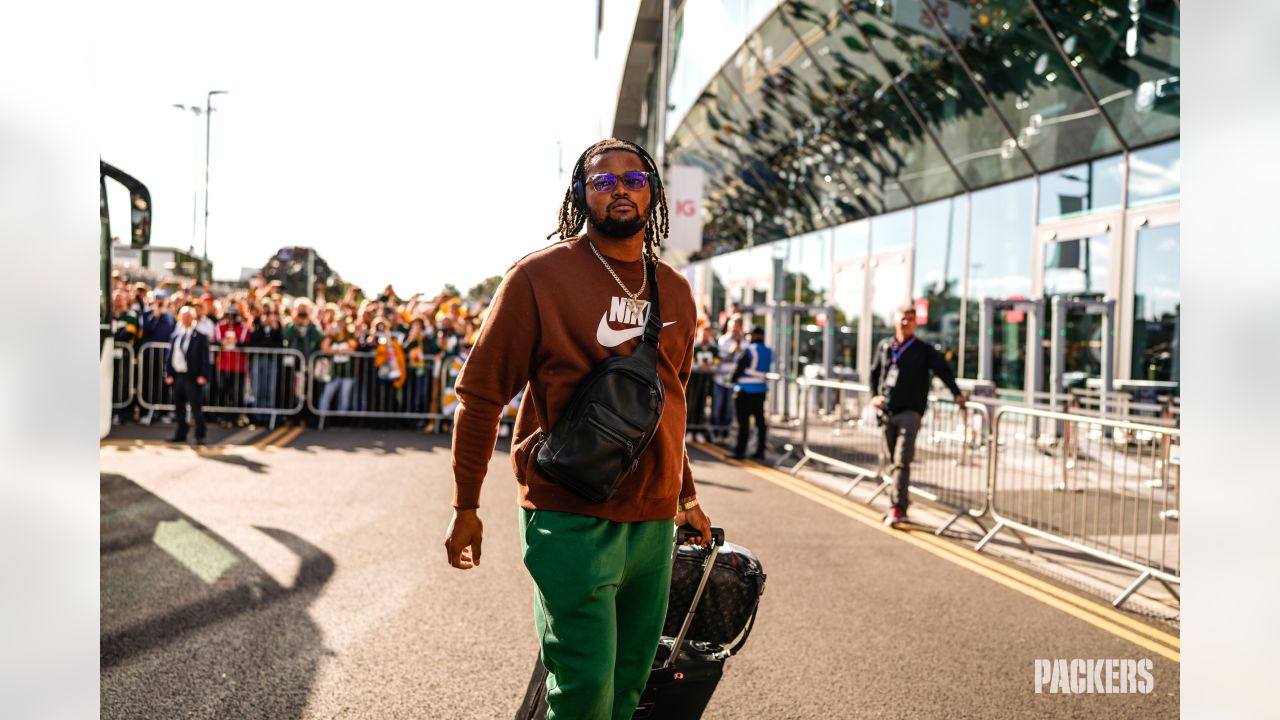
<point>267,382</point>
<point>123,377</point>
<point>355,384</point>
<point>840,428</point>
<point>1105,488</point>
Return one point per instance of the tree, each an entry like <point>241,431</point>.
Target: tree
<point>451,290</point>
<point>289,266</point>
<point>485,290</point>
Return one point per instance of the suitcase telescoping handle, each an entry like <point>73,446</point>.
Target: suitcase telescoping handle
<point>717,539</point>
<point>686,532</point>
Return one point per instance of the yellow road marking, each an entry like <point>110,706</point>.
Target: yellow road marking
<point>289,436</point>
<point>271,437</point>
<point>1081,608</point>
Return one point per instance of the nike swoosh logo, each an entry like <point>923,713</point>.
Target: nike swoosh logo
<point>609,337</point>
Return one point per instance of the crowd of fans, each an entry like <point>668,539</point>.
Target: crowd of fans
<point>378,354</point>
<point>368,358</point>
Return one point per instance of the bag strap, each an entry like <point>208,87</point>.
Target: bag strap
<point>654,324</point>
<point>746,633</point>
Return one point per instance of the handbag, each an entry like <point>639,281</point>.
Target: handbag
<point>611,418</point>
<point>729,602</point>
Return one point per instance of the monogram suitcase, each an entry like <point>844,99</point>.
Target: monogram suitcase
<point>679,687</point>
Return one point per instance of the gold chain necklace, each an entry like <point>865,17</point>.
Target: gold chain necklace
<point>634,302</point>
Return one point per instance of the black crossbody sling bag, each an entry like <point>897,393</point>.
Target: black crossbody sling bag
<point>611,419</point>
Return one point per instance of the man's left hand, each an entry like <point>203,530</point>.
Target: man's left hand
<point>698,520</point>
<point>960,400</point>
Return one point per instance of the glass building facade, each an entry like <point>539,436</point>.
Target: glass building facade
<point>865,153</point>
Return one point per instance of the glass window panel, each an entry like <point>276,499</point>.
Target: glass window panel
<point>1082,189</point>
<point>1077,266</point>
<point>759,262</point>
<point>1028,81</point>
<point>1157,304</point>
<point>1129,54</point>
<point>853,177</point>
<point>999,265</point>
<point>851,240</point>
<point>847,296</point>
<point>942,93</point>
<point>1155,174</point>
<point>887,150</point>
<point>718,268</point>
<point>809,265</point>
<point>938,273</point>
<point>892,231</point>
<point>703,35</point>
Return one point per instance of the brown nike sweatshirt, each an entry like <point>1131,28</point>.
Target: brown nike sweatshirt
<point>556,315</point>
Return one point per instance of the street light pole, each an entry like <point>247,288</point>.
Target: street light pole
<point>195,181</point>
<point>208,116</point>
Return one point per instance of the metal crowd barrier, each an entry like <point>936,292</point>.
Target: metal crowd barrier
<point>839,428</point>
<point>1114,500</point>
<point>353,384</point>
<point>265,382</point>
<point>952,455</point>
<point>123,378</point>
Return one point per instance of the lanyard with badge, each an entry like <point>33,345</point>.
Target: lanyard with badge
<point>891,375</point>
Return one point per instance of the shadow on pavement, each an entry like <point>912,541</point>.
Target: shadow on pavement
<point>723,485</point>
<point>247,463</point>
<point>386,442</point>
<point>191,626</point>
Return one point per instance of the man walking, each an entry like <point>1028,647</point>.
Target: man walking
<point>602,572</point>
<point>187,370</point>
<point>900,375</point>
<point>750,386</point>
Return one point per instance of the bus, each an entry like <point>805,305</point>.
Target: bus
<point>140,238</point>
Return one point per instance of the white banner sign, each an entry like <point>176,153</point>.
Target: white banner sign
<point>684,202</point>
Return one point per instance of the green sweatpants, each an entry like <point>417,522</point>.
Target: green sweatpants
<point>600,600</point>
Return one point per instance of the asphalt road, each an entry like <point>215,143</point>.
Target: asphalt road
<point>309,580</point>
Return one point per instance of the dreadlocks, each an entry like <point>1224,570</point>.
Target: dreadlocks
<point>573,214</point>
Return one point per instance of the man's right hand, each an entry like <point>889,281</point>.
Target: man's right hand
<point>462,539</point>
<point>878,402</point>
<point>168,380</point>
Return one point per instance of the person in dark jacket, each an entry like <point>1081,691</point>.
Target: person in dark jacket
<point>265,366</point>
<point>186,370</point>
<point>900,376</point>
<point>158,325</point>
<point>301,335</point>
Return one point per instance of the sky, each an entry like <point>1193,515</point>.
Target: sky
<point>409,143</point>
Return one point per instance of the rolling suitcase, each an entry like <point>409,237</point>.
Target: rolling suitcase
<point>679,687</point>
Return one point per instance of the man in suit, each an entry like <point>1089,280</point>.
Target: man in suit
<point>187,370</point>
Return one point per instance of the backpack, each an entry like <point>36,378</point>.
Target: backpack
<point>611,418</point>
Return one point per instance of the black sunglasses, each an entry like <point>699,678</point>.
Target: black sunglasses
<point>606,182</point>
